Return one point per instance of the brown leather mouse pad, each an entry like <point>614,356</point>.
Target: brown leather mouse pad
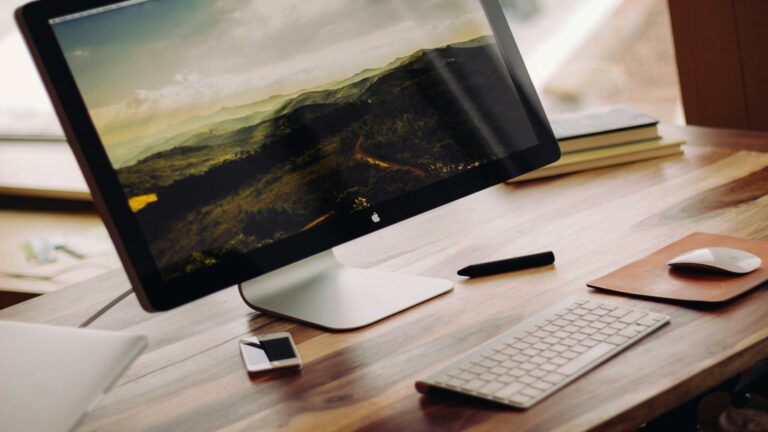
<point>652,277</point>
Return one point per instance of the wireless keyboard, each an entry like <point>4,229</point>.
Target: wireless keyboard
<point>545,353</point>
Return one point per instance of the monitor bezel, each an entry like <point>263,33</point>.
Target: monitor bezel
<point>157,294</point>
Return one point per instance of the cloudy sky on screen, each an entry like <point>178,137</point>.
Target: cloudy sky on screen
<point>145,66</point>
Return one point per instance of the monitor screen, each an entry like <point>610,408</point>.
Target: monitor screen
<point>242,128</point>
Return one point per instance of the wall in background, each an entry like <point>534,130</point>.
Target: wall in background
<point>721,48</point>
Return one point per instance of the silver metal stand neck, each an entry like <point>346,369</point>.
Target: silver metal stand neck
<point>319,290</point>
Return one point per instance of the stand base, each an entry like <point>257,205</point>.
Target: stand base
<point>321,291</point>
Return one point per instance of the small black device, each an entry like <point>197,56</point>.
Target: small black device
<point>508,265</point>
<point>269,352</point>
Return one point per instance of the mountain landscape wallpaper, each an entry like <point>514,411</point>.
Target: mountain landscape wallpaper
<point>232,128</point>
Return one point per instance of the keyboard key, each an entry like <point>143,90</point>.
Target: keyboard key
<point>554,378</point>
<point>498,370</point>
<point>632,317</point>
<point>647,321</point>
<point>548,354</point>
<point>538,360</point>
<point>530,391</point>
<point>541,385</point>
<point>569,354</point>
<point>521,345</point>
<point>586,358</point>
<point>531,352</point>
<point>559,361</point>
<point>608,331</point>
<point>632,330</point>
<point>589,343</point>
<point>528,366</point>
<point>590,317</point>
<point>509,390</point>
<point>579,348</point>
<point>549,367</point>
<point>510,352</point>
<point>455,382</point>
<point>506,379</point>
<point>477,369</point>
<point>617,340</point>
<point>488,376</point>
<point>569,342</point>
<point>491,388</point>
<point>558,348</point>
<point>537,373</point>
<point>516,372</point>
<point>519,398</point>
<point>510,364</point>
<point>475,384</point>
<point>527,379</point>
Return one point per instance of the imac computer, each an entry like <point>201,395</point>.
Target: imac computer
<point>236,142</point>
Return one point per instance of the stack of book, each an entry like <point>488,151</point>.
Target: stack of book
<point>605,138</point>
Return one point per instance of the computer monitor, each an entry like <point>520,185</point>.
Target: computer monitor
<point>237,142</point>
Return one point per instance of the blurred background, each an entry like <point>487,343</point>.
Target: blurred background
<point>584,54</point>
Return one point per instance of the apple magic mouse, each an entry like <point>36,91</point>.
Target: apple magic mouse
<point>718,259</point>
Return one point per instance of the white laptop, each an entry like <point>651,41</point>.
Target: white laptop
<point>50,377</point>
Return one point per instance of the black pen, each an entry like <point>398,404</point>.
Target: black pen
<point>508,265</point>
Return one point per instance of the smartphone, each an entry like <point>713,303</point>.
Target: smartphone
<point>268,352</point>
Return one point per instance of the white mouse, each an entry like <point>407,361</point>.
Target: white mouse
<point>717,259</point>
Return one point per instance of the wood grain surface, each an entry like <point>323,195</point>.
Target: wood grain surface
<point>192,378</point>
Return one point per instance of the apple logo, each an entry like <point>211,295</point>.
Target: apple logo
<point>375,218</point>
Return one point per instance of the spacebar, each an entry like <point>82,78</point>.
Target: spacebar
<point>585,358</point>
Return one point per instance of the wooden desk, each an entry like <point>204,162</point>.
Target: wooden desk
<point>191,377</point>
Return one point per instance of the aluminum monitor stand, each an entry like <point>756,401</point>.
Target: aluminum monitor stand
<point>321,291</point>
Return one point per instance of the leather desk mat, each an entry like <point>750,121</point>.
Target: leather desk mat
<point>652,277</point>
